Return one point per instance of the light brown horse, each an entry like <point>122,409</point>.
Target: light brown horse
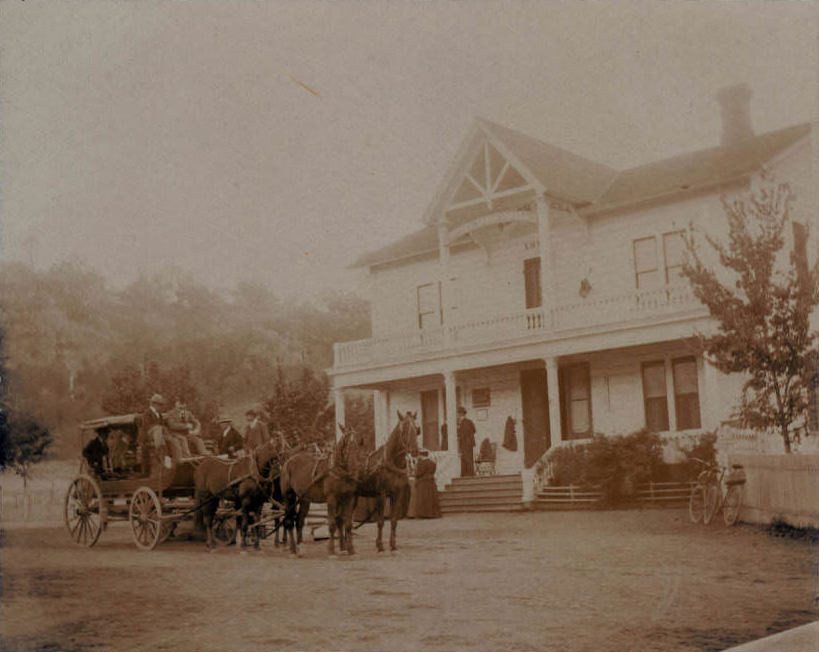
<point>248,482</point>
<point>308,477</point>
<point>385,475</point>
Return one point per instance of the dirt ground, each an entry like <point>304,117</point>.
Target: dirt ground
<point>573,581</point>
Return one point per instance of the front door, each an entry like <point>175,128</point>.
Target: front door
<point>534,396</point>
<point>429,419</point>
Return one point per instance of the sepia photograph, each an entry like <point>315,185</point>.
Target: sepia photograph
<point>401,325</point>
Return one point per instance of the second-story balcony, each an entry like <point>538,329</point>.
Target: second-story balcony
<point>589,314</point>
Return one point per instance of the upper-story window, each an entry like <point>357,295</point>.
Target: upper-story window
<point>429,305</point>
<point>647,259</point>
<point>531,282</point>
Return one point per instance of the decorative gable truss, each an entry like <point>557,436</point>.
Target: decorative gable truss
<point>490,177</point>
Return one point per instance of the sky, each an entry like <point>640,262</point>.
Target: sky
<point>275,142</point>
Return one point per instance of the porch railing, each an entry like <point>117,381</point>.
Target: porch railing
<point>589,312</point>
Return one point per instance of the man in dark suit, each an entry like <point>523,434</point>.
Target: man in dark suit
<point>230,441</point>
<point>466,443</point>
<point>256,432</point>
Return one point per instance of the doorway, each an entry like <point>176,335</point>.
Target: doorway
<point>535,400</point>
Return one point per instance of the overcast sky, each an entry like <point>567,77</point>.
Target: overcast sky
<point>277,141</point>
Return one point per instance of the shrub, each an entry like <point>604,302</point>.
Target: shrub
<point>616,464</point>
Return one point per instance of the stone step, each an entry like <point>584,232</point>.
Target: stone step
<point>492,491</point>
<point>452,501</point>
<point>487,479</point>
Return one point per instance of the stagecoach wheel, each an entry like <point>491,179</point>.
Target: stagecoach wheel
<point>733,503</point>
<point>711,503</point>
<point>224,530</point>
<point>84,511</point>
<point>146,518</point>
<point>696,503</point>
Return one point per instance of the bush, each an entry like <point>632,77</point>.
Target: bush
<point>616,464</point>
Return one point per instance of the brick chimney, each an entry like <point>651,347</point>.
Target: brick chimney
<point>736,113</point>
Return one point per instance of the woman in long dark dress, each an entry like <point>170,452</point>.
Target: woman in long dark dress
<point>426,493</point>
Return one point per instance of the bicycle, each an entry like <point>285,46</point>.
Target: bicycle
<point>708,496</point>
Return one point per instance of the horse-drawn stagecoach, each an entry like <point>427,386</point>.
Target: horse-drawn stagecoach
<point>113,485</point>
<point>119,480</point>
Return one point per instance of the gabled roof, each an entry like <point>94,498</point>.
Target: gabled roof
<point>597,187</point>
<point>559,171</point>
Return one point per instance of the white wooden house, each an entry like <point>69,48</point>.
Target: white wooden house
<point>546,287</point>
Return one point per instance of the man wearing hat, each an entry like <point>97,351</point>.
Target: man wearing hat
<point>256,432</point>
<point>230,441</point>
<point>146,421</point>
<point>466,443</point>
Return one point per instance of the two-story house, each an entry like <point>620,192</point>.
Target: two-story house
<point>546,287</point>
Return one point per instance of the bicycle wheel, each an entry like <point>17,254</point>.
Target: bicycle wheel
<point>712,496</point>
<point>696,503</point>
<point>732,505</point>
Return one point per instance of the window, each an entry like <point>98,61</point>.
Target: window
<point>576,403</point>
<point>531,279</point>
<point>686,393</point>
<point>429,305</point>
<point>654,395</point>
<point>673,247</point>
<point>646,259</point>
<point>645,262</point>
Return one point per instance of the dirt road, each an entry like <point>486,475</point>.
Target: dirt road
<point>575,581</point>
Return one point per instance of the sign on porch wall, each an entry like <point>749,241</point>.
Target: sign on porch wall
<point>480,397</point>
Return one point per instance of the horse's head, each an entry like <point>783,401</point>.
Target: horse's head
<point>404,438</point>
<point>268,459</point>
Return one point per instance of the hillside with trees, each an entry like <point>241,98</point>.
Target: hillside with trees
<point>76,349</point>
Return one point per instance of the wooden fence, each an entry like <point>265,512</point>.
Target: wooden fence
<point>573,496</point>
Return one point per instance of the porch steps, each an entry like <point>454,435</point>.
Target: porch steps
<point>493,493</point>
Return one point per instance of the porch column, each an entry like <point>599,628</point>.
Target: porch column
<point>381,400</point>
<point>544,241</point>
<point>451,409</point>
<point>338,395</point>
<point>553,389</point>
<point>669,394</point>
<point>443,264</point>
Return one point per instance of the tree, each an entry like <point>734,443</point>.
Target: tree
<point>298,407</point>
<point>23,441</point>
<point>761,300</point>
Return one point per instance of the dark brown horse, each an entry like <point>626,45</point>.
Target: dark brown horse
<point>247,482</point>
<point>308,477</point>
<point>383,475</point>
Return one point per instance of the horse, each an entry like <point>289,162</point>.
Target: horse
<point>248,482</point>
<point>309,477</point>
<point>385,475</point>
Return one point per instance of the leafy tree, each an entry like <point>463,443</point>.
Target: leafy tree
<point>23,441</point>
<point>298,406</point>
<point>761,300</point>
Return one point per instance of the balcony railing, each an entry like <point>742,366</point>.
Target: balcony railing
<point>587,313</point>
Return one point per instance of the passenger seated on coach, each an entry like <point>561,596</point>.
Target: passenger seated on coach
<point>118,442</point>
<point>95,453</point>
<point>187,430</point>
